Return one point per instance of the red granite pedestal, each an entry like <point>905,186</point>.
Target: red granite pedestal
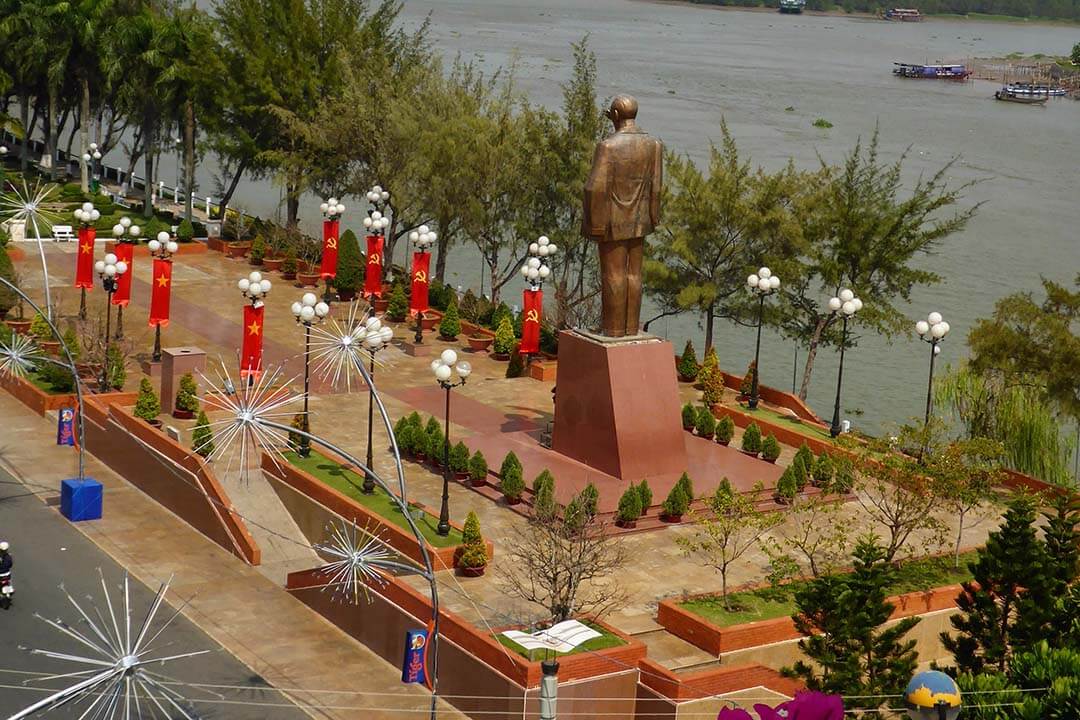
<point>617,405</point>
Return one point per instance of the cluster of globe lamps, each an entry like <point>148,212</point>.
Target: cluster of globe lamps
<point>536,270</point>
<point>254,287</point>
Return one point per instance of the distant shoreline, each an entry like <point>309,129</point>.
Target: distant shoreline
<point>946,17</point>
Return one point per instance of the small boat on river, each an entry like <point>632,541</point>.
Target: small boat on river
<point>903,15</point>
<point>1007,95</point>
<point>931,72</point>
<point>1034,89</point>
<point>792,6</point>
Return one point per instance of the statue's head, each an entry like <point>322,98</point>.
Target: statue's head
<point>623,108</point>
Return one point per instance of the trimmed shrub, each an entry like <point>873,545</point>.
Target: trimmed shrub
<point>399,303</point>
<point>58,377</point>
<point>187,396</point>
<point>712,381</point>
<point>512,484</point>
<point>751,439</point>
<point>185,231</point>
<point>115,367</point>
<point>705,423</point>
<point>432,426</point>
<point>39,328</point>
<point>71,342</point>
<point>258,250</point>
<point>798,469</point>
<point>787,487</point>
<point>8,297</point>
<point>544,495</point>
<point>688,365</point>
<point>538,481</point>
<point>470,533</point>
<point>677,502</point>
<point>646,495</point>
<point>747,385</point>
<point>590,499</point>
<point>147,406</point>
<point>450,325</point>
<point>723,494</point>
<point>689,416</point>
<point>516,367</point>
<point>725,429</point>
<point>497,315</point>
<point>843,476</point>
<point>478,467</point>
<point>459,458</point>
<point>350,269</point>
<point>770,448</point>
<point>202,437</point>
<point>289,265</point>
<point>629,505</point>
<point>473,554</point>
<point>504,337</point>
<point>823,471</point>
<point>687,487</point>
<point>806,455</point>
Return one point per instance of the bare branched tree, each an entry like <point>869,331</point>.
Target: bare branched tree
<point>568,568</point>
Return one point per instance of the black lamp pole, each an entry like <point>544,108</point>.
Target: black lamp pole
<point>757,354</point>
<point>109,285</point>
<point>444,512</point>
<point>369,479</point>
<point>305,442</point>
<point>834,429</point>
<point>930,383</point>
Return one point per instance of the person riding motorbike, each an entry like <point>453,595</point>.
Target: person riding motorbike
<point>6,563</point>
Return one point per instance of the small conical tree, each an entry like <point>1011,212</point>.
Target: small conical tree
<point>787,487</point>
<point>478,468</point>
<point>646,495</point>
<point>687,488</point>
<point>705,423</point>
<point>711,379</point>
<point>399,303</point>
<point>688,364</point>
<point>187,396</point>
<point>71,342</point>
<point>147,406</point>
<point>805,454</point>
<point>459,458</point>
<point>450,326</point>
<point>544,496</point>
<point>798,469</point>
<point>770,448</point>
<point>590,500</point>
<point>751,439</point>
<point>504,337</point>
<point>512,483</point>
<point>202,437</point>
<point>629,505</point>
<point>349,275</point>
<point>822,474</point>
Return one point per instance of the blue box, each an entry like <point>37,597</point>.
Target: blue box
<point>80,499</point>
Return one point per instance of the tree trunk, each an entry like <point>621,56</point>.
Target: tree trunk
<point>148,166</point>
<point>388,251</point>
<point>710,317</point>
<point>189,157</point>
<point>232,187</point>
<point>127,185</point>
<point>811,355</point>
<point>959,537</point>
<point>48,158</point>
<point>444,246</point>
<point>723,589</point>
<point>24,118</point>
<point>292,204</point>
<point>84,136</point>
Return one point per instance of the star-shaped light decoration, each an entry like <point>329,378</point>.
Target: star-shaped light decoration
<point>339,349</point>
<point>29,206</point>
<point>117,682</point>
<point>357,557</point>
<point>19,355</point>
<point>243,434</point>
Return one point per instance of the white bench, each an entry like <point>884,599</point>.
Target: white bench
<point>62,233</point>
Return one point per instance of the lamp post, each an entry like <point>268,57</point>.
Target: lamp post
<point>331,211</point>
<point>932,330</point>
<point>846,304</point>
<point>95,168</point>
<point>423,238</point>
<point>122,228</point>
<point>376,223</point>
<point>87,215</point>
<point>763,284</point>
<point>377,338</point>
<point>109,270</point>
<point>309,311</point>
<point>381,200</point>
<point>444,368</point>
<point>163,247</point>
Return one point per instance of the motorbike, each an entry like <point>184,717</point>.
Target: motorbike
<point>7,590</point>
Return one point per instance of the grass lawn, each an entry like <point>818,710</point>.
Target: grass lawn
<point>784,421</point>
<point>606,640</point>
<point>44,385</point>
<point>767,603</point>
<point>348,483</point>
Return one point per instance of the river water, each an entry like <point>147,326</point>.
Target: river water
<point>691,65</point>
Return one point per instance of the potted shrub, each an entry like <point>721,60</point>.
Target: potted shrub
<point>472,555</point>
<point>450,326</point>
<point>516,367</point>
<point>350,269</point>
<point>799,471</point>
<point>258,251</point>
<point>689,417</point>
<point>437,450</point>
<point>705,423</point>
<point>629,508</point>
<point>712,380</point>
<point>202,437</point>
<point>786,488</point>
<point>480,343</point>
<point>512,483</point>
<point>187,400</point>
<point>725,430</point>
<point>751,440</point>
<point>590,500</point>
<point>478,469</point>
<point>504,339</point>
<point>544,495</point>
<point>646,496</point>
<point>42,334</point>
<point>822,474</point>
<point>115,368</point>
<point>459,461</point>
<point>746,386</point>
<point>237,248</point>
<point>398,309</point>
<point>805,454</point>
<point>147,406</point>
<point>687,366</point>
<point>675,505</point>
<point>770,448</point>
<point>185,231</point>
<point>289,265</point>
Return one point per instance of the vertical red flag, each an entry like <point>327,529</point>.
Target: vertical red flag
<point>125,252</point>
<point>160,292</point>
<point>373,271</point>
<point>532,304</point>
<point>418,300</point>
<point>251,351</point>
<point>328,269</point>
<point>84,262</point>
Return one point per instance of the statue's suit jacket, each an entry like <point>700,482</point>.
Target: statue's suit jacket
<point>622,195</point>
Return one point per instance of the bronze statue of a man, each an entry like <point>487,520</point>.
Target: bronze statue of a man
<point>621,207</point>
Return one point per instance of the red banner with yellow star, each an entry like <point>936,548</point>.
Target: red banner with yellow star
<point>328,268</point>
<point>532,304</point>
<point>373,270</point>
<point>125,252</point>
<point>160,292</point>
<point>84,261</point>
<point>418,299</point>
<point>251,351</point>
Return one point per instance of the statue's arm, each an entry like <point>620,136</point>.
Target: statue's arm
<point>594,215</point>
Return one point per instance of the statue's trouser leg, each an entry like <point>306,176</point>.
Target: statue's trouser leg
<point>635,250</point>
<point>613,287</point>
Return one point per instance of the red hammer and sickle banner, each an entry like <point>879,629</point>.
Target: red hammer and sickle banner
<point>373,271</point>
<point>532,303</point>
<point>160,292</point>
<point>125,252</point>
<point>328,268</point>
<point>252,348</point>
<point>84,262</point>
<point>418,302</point>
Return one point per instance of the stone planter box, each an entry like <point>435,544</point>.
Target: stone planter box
<point>216,243</point>
<point>42,402</point>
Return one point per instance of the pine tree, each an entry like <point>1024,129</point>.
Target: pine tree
<point>544,495</point>
<point>629,505</point>
<point>202,437</point>
<point>504,337</point>
<point>688,364</point>
<point>1007,604</point>
<point>399,304</point>
<point>450,326</point>
<point>841,618</point>
<point>711,378</point>
<point>147,405</point>
<point>349,268</point>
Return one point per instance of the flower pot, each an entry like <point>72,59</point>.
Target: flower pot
<point>459,476</point>
<point>308,279</point>
<point>725,443</point>
<point>686,378</point>
<point>430,322</point>
<point>51,347</point>
<point>751,453</point>
<point>512,501</point>
<point>781,500</point>
<point>688,428</point>
<point>419,457</point>
<point>273,263</point>
<point>155,423</point>
<point>670,518</point>
<point>771,461</point>
<point>255,261</point>
<point>447,338</point>
<point>346,295</point>
<point>473,482</point>
<point>627,524</point>
<point>481,343</point>
<point>20,326</point>
<point>237,249</point>
<point>380,304</point>
<point>182,414</point>
<point>472,571</point>
<point>288,275</point>
<point>502,357</point>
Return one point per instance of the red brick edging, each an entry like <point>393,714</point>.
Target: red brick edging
<point>713,681</point>
<point>42,402</point>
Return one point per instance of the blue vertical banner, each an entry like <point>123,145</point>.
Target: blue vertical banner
<point>65,427</point>
<point>412,666</point>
